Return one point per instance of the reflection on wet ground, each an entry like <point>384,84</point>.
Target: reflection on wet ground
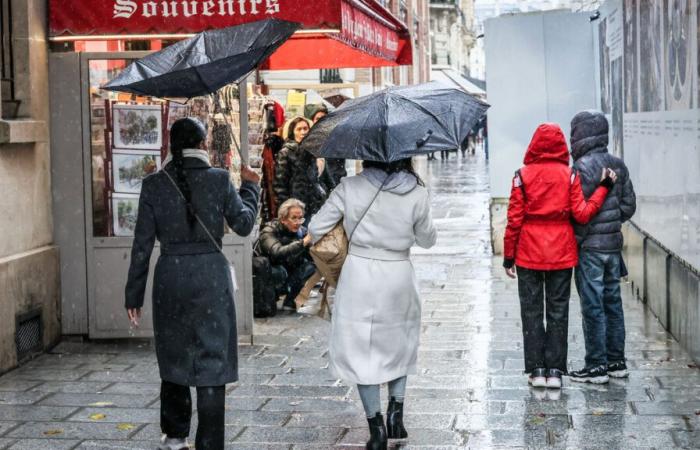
<point>469,393</point>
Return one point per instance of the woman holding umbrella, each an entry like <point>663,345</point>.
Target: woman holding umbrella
<point>184,206</point>
<point>377,309</point>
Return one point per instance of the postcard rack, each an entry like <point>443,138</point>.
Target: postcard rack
<point>135,146</point>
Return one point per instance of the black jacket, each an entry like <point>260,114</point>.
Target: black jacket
<point>589,141</point>
<point>296,176</point>
<point>281,245</point>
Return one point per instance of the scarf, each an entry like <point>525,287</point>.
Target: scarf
<point>198,153</point>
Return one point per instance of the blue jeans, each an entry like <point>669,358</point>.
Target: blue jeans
<point>598,284</point>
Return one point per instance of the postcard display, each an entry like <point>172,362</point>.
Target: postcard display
<point>135,147</point>
<point>136,140</point>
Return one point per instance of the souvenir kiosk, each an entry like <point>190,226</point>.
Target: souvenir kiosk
<point>103,143</point>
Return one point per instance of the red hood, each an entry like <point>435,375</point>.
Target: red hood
<point>548,143</point>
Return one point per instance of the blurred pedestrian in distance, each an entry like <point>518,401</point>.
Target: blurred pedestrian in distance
<point>377,310</point>
<point>274,121</point>
<point>286,242</point>
<point>600,264</point>
<point>539,240</point>
<point>334,167</point>
<point>194,318</point>
<point>297,171</point>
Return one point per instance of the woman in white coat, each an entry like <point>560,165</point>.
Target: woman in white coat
<point>377,310</point>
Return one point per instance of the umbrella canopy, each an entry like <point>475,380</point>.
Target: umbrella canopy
<point>206,62</point>
<point>396,123</point>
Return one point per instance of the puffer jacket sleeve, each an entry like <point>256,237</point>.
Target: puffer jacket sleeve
<point>283,176</point>
<point>144,239</point>
<point>241,207</point>
<point>581,210</point>
<point>332,212</point>
<point>423,227</point>
<point>628,199</point>
<point>516,217</point>
<point>274,249</point>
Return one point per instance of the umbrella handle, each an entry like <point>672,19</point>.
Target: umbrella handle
<point>422,141</point>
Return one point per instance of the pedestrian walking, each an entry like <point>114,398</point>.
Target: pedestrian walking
<point>297,171</point>
<point>539,241</point>
<point>377,311</point>
<point>600,264</point>
<point>185,206</point>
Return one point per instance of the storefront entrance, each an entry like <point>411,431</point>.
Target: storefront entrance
<point>96,180</point>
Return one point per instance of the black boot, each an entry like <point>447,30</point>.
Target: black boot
<point>377,431</point>
<point>394,420</point>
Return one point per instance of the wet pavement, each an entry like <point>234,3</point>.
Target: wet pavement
<point>469,393</point>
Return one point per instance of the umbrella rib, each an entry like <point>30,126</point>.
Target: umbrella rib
<point>427,111</point>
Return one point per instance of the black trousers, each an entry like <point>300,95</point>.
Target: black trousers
<point>545,346</point>
<point>176,412</point>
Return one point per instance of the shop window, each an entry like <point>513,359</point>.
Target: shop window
<point>10,105</point>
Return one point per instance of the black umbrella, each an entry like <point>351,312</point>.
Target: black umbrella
<point>204,63</point>
<point>396,123</point>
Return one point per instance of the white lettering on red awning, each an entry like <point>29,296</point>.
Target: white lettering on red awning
<point>125,9</point>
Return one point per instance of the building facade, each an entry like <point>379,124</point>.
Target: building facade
<point>452,33</point>
<point>29,260</point>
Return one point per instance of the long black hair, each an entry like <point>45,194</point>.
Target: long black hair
<point>185,133</point>
<point>401,165</point>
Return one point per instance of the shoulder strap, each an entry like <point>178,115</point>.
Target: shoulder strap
<point>196,216</point>
<point>367,209</point>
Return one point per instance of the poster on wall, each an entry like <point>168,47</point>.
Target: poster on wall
<point>130,167</point>
<point>651,59</point>
<point>617,97</point>
<point>125,208</point>
<point>657,126</point>
<point>137,127</point>
<point>604,55</point>
<point>679,24</point>
<point>631,55</point>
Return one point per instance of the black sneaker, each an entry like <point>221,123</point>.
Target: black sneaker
<point>618,370</point>
<point>554,378</point>
<point>538,378</point>
<point>595,375</point>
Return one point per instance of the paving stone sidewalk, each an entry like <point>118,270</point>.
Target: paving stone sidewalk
<point>469,393</point>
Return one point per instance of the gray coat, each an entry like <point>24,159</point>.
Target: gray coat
<point>194,318</point>
<point>589,140</point>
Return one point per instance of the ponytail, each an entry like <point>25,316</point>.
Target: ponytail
<point>185,133</point>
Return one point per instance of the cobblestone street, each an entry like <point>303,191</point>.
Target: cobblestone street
<point>469,393</point>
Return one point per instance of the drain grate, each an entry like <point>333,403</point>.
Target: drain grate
<point>28,334</point>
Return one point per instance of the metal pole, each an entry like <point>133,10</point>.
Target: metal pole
<point>243,120</point>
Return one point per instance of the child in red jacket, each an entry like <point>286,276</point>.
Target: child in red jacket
<point>539,241</point>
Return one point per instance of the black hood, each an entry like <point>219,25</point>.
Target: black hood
<point>589,131</point>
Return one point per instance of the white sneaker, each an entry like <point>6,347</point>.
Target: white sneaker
<point>167,443</point>
<point>554,378</point>
<point>538,378</point>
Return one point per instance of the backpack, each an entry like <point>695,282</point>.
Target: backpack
<point>264,289</point>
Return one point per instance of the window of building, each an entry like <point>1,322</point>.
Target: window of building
<point>330,76</point>
<point>10,106</point>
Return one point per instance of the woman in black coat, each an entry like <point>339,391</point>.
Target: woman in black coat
<point>193,311</point>
<point>297,172</point>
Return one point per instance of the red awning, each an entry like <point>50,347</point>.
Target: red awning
<point>335,34</point>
